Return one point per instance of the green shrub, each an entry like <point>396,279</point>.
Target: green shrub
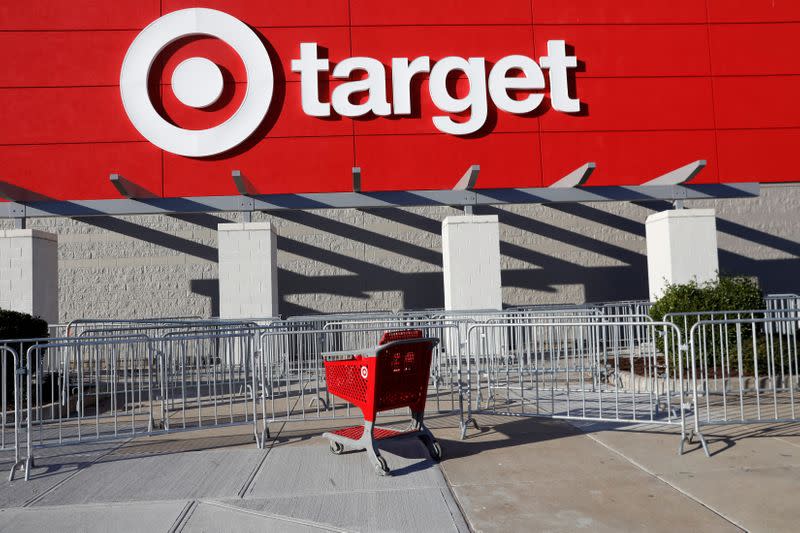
<point>724,294</point>
<point>14,325</point>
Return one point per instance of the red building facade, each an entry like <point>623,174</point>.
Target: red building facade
<point>661,83</point>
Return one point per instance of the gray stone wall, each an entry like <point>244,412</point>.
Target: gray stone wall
<point>355,260</point>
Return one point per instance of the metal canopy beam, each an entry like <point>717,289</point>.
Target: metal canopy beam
<point>469,180</point>
<point>681,175</point>
<point>576,178</point>
<point>277,202</point>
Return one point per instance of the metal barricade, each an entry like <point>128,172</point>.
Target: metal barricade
<point>586,369</point>
<point>13,372</point>
<point>784,306</point>
<point>77,389</point>
<point>74,327</point>
<point>205,377</point>
<point>744,371</point>
<point>93,388</point>
<point>605,362</point>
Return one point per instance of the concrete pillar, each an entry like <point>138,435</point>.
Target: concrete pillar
<point>681,247</point>
<point>471,257</point>
<point>29,273</point>
<point>248,272</point>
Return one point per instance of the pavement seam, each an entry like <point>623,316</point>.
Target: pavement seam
<point>44,493</point>
<point>252,477</point>
<point>283,518</point>
<point>667,482</point>
<point>183,517</point>
<point>450,486</point>
<point>450,510</point>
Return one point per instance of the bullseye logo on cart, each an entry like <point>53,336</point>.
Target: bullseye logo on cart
<point>515,84</point>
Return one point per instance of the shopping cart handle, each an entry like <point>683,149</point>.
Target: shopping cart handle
<point>346,355</point>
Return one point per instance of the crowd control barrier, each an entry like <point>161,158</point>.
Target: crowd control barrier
<point>606,362</point>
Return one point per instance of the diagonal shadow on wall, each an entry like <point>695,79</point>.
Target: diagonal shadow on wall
<point>546,274</point>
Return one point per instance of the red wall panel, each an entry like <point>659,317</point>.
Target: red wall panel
<point>489,42</point>
<point>747,49</point>
<point>284,165</point>
<point>441,12</point>
<point>262,13</point>
<point>753,10</point>
<point>77,14</point>
<point>638,104</point>
<point>64,115</point>
<point>79,171</point>
<point>758,155</point>
<point>618,11</point>
<point>662,85</point>
<point>626,158</point>
<point>757,102</point>
<point>62,59</point>
<point>439,161</point>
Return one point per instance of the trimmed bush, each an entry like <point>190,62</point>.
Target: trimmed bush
<point>725,294</point>
<point>14,325</point>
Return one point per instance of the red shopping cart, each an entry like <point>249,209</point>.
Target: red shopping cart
<point>391,375</point>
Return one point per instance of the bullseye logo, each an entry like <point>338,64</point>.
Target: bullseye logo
<point>197,82</point>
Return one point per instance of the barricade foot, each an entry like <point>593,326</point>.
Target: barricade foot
<point>261,440</point>
<point>690,439</point>
<point>466,423</point>
<point>704,443</point>
<point>18,465</point>
<point>320,400</point>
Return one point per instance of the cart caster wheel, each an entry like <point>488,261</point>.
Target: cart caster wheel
<point>383,468</point>
<point>436,451</point>
<point>336,448</point>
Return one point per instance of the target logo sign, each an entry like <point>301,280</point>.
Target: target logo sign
<point>196,82</point>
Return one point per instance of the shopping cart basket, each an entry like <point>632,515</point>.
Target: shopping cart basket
<point>392,375</point>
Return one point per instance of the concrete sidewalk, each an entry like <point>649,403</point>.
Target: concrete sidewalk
<point>521,474</point>
<point>516,474</point>
<point>217,480</point>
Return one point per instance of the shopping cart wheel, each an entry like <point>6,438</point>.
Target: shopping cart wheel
<point>436,450</point>
<point>382,468</point>
<point>336,448</point>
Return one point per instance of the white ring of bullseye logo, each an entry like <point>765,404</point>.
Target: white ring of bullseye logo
<point>364,372</point>
<point>151,42</point>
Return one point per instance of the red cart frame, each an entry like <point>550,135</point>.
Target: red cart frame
<point>392,375</point>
